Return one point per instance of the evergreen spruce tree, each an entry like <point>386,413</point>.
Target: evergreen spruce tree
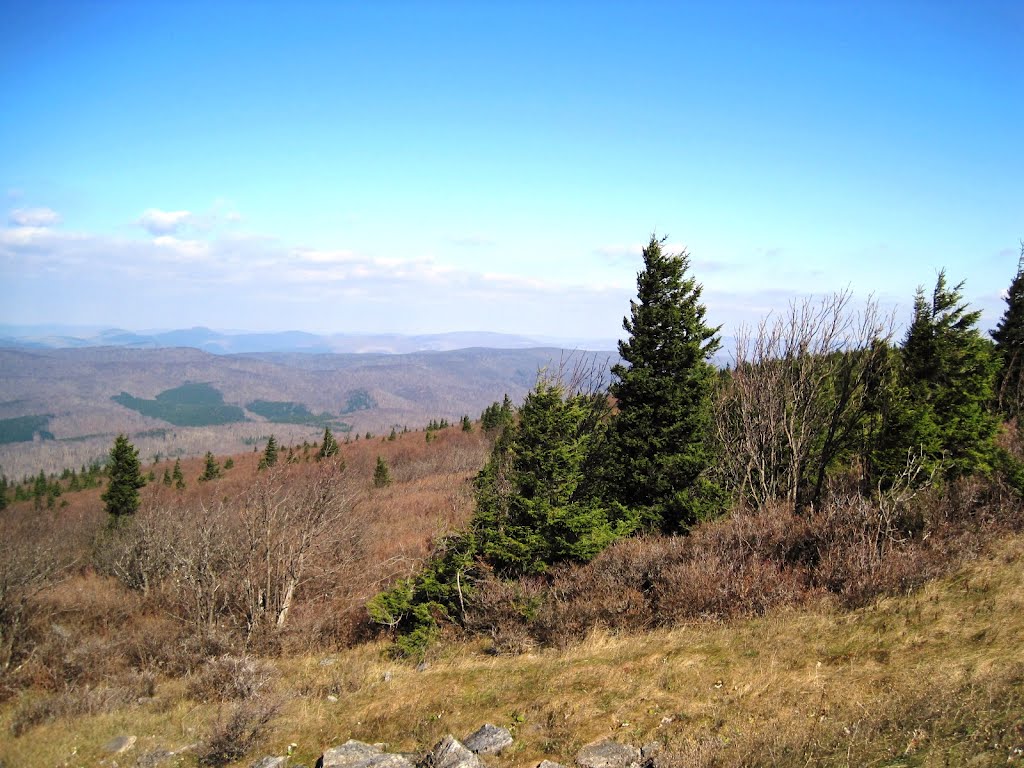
<point>1009,339</point>
<point>938,412</point>
<point>381,474</point>
<point>179,477</point>
<point>121,498</point>
<point>211,470</point>
<point>534,504</point>
<point>662,440</point>
<point>269,458</point>
<point>467,425</point>
<point>167,477</point>
<point>329,446</point>
<point>3,492</point>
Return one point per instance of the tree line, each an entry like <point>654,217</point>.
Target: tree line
<point>818,398</point>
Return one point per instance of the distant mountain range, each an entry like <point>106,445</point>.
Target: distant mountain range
<point>242,342</point>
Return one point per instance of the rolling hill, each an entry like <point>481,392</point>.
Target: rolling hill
<point>78,399</point>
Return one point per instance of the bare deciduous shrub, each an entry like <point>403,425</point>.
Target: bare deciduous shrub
<point>233,736</point>
<point>795,397</point>
<point>226,678</point>
<point>291,536</point>
<point>32,557</point>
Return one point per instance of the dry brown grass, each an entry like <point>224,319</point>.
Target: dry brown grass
<point>934,678</point>
<point>766,639</point>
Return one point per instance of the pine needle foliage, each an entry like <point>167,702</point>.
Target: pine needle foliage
<point>329,445</point>
<point>121,498</point>
<point>661,444</point>
<point>269,457</point>
<point>1009,338</point>
<point>937,412</point>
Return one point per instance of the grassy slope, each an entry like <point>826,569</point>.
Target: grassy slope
<point>934,678</point>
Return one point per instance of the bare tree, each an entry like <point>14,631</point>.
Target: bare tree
<point>796,396</point>
<point>294,532</point>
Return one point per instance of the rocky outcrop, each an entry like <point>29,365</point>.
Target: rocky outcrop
<point>357,754</point>
<point>450,753</point>
<point>489,740</point>
<point>608,754</point>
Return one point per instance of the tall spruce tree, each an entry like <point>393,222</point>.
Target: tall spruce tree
<point>329,446</point>
<point>661,444</point>
<point>178,476</point>
<point>1009,339</point>
<point>938,411</point>
<point>269,457</point>
<point>211,469</point>
<point>121,498</point>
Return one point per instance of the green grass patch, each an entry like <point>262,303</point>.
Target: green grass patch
<point>190,405</point>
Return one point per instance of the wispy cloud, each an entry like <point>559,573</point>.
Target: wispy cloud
<point>33,217</point>
<point>158,222</point>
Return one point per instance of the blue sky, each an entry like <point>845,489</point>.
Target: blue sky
<point>428,167</point>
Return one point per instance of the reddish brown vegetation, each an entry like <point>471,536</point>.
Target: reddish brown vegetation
<point>850,551</point>
<point>195,577</point>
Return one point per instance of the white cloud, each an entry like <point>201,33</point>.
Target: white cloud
<point>33,217</point>
<point>158,222</point>
<point>182,249</point>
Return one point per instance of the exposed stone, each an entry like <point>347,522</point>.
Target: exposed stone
<point>489,740</point>
<point>357,754</point>
<point>350,753</point>
<point>608,754</point>
<point>549,764</point>
<point>451,753</point>
<point>650,750</point>
<point>119,745</point>
<point>271,762</point>
<point>153,759</point>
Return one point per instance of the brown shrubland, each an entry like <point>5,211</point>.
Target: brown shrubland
<point>227,614</point>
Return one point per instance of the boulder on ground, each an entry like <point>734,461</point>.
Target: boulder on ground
<point>119,745</point>
<point>489,739</point>
<point>451,753</point>
<point>608,754</point>
<point>357,754</point>
<point>270,762</point>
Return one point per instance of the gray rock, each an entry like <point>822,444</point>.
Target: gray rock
<point>153,759</point>
<point>489,740</point>
<point>451,753</point>
<point>357,754</point>
<point>549,764</point>
<point>271,762</point>
<point>650,750</point>
<point>350,753</point>
<point>119,745</point>
<point>608,754</point>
